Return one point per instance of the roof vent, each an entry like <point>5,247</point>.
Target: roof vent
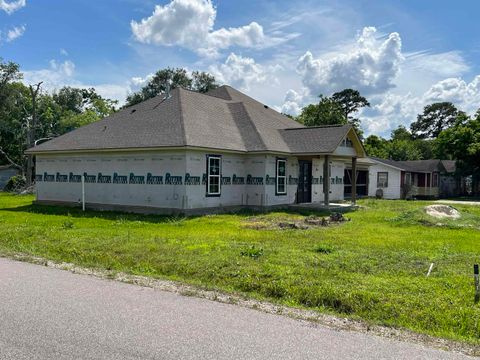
<point>265,106</point>
<point>168,88</point>
<point>133,110</point>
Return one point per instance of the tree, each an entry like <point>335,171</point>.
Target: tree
<point>462,142</point>
<point>326,112</point>
<point>376,146</point>
<point>350,101</point>
<point>158,84</point>
<point>32,130</point>
<point>435,118</point>
<point>12,113</point>
<point>203,82</point>
<point>78,107</point>
<point>401,150</point>
<point>401,133</point>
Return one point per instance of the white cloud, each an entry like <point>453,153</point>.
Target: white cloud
<point>456,90</point>
<point>370,66</point>
<point>11,6</point>
<point>397,85</point>
<point>189,23</point>
<point>243,72</point>
<point>15,33</point>
<point>444,64</point>
<point>294,101</point>
<point>60,74</point>
<point>138,81</point>
<point>392,110</point>
<point>55,76</point>
<point>63,52</point>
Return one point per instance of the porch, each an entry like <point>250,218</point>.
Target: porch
<point>326,181</point>
<point>421,184</point>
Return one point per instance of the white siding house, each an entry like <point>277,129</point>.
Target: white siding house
<point>391,189</point>
<point>193,152</point>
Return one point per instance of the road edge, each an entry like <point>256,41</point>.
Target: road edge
<point>313,317</point>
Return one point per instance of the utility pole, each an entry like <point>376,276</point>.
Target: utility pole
<point>31,130</point>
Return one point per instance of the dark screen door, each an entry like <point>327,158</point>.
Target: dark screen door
<point>304,190</point>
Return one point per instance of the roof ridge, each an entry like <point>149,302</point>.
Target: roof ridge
<point>318,127</point>
<point>182,119</point>
<point>244,126</point>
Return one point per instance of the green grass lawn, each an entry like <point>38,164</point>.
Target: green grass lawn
<point>372,267</point>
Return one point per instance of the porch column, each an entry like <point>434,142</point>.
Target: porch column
<point>354,180</point>
<point>326,180</point>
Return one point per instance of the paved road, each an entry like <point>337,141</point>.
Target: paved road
<point>52,314</point>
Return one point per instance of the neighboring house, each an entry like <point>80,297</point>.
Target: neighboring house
<point>416,178</point>
<point>190,151</point>
<point>6,172</point>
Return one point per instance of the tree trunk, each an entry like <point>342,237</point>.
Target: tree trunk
<point>34,89</point>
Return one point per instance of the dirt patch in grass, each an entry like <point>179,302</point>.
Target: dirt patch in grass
<point>420,217</point>
<point>298,222</point>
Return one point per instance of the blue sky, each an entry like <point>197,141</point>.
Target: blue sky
<point>401,55</point>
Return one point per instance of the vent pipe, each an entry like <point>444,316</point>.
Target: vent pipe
<point>167,89</point>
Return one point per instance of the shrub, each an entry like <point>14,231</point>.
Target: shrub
<point>15,183</point>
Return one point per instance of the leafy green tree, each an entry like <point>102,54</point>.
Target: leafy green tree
<point>203,81</point>
<point>462,142</point>
<point>179,77</point>
<point>351,102</point>
<point>435,118</point>
<point>401,133</point>
<point>13,113</point>
<point>326,112</point>
<point>76,107</point>
<point>376,146</point>
<point>402,150</point>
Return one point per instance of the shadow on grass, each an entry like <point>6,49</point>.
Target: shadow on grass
<point>58,210</point>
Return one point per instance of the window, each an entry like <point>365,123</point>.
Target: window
<point>281,177</point>
<point>214,174</point>
<point>408,178</point>
<point>382,179</point>
<point>435,180</point>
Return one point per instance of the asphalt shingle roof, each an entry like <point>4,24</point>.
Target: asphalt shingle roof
<point>422,165</point>
<point>322,139</point>
<point>223,118</point>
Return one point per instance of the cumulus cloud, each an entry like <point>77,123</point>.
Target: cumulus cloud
<point>11,6</point>
<point>15,33</point>
<point>294,101</point>
<point>397,85</point>
<point>189,23</point>
<point>242,72</point>
<point>465,95</point>
<point>370,66</point>
<point>392,110</point>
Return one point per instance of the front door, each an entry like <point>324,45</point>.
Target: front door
<point>304,190</point>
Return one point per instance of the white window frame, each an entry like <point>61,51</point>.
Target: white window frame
<point>210,176</point>
<point>278,177</point>
<point>383,184</point>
